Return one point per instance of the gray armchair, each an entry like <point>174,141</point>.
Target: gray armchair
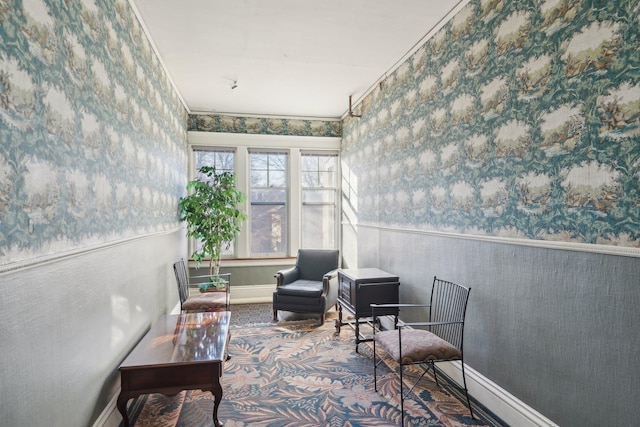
<point>310,286</point>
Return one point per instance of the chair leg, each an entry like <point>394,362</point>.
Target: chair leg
<point>401,396</point>
<point>466,392</point>
<point>275,315</point>
<point>321,319</point>
<point>464,385</point>
<point>435,374</point>
<point>375,368</point>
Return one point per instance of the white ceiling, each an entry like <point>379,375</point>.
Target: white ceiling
<point>298,58</point>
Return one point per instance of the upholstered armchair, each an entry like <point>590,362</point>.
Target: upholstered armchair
<point>311,286</point>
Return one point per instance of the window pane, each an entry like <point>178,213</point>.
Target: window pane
<point>319,196</point>
<point>319,170</point>
<point>319,200</point>
<point>310,179</point>
<point>277,179</point>
<point>223,160</point>
<point>268,229</point>
<point>309,163</point>
<point>259,178</point>
<point>277,161</point>
<point>259,161</point>
<point>327,179</point>
<point>268,197</point>
<point>318,227</point>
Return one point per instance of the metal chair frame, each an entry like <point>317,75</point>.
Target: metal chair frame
<point>185,281</point>
<point>446,316</point>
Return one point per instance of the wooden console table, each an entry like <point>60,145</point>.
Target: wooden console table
<point>180,352</point>
<point>361,287</point>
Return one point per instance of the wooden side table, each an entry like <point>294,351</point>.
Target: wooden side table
<point>361,287</point>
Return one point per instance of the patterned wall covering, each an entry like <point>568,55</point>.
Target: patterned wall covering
<point>265,126</point>
<point>517,119</point>
<point>93,136</point>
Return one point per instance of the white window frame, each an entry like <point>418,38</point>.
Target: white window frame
<point>295,145</point>
<point>335,188</point>
<point>287,201</point>
<point>192,175</point>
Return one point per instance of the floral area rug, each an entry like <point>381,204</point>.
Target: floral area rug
<point>299,374</point>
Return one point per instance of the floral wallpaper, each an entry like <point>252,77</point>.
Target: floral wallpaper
<point>517,119</point>
<point>264,125</point>
<point>93,136</point>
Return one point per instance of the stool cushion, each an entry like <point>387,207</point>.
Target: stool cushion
<point>206,301</point>
<point>417,346</point>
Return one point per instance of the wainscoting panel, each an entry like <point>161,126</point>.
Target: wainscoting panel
<point>551,327</point>
<point>67,325</point>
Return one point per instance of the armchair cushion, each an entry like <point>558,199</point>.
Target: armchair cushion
<point>301,287</point>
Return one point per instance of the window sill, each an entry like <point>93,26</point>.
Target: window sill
<point>249,262</point>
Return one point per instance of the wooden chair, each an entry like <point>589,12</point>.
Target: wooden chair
<point>213,300</point>
<point>438,338</point>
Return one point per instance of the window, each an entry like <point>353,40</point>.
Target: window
<point>292,186</point>
<point>223,160</point>
<point>319,200</point>
<point>268,196</point>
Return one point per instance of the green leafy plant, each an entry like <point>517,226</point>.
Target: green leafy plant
<point>216,282</point>
<point>212,214</point>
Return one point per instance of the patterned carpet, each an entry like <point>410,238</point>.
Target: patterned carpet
<point>296,373</point>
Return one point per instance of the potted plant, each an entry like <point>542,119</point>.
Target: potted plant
<point>211,212</point>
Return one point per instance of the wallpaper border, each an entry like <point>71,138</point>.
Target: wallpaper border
<point>543,244</point>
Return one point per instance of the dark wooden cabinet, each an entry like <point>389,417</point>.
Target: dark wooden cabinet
<point>358,289</point>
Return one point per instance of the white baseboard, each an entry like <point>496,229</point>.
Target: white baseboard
<point>176,309</point>
<point>251,294</point>
<point>110,417</point>
<point>500,402</point>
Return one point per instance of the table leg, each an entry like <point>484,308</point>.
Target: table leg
<point>339,321</point>
<point>217,397</point>
<point>122,408</point>
<point>357,333</point>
